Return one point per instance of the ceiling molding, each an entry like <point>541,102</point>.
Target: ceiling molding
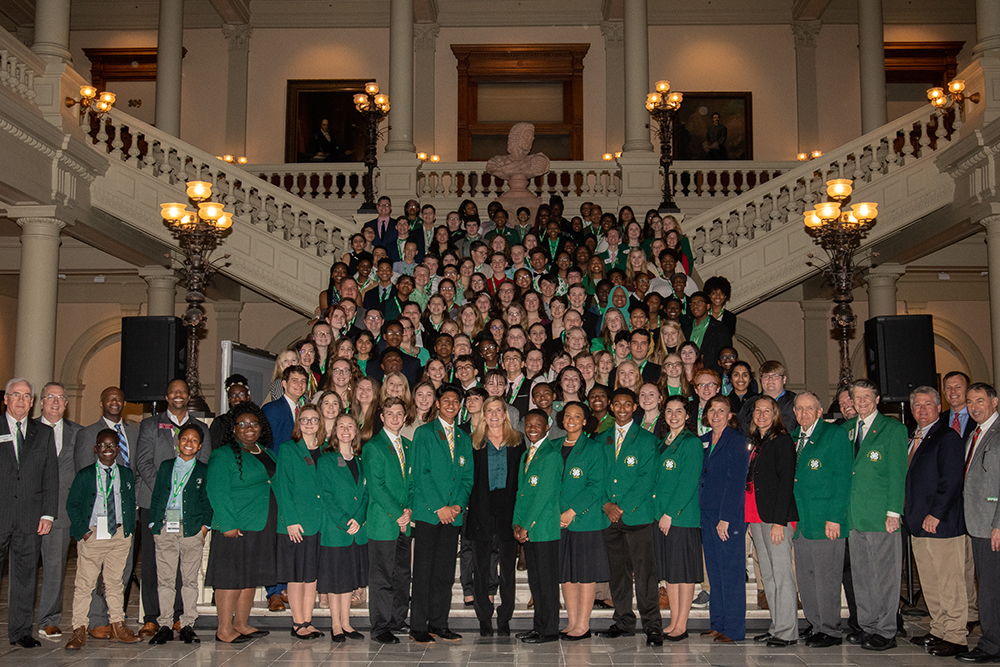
<point>232,11</point>
<point>809,10</point>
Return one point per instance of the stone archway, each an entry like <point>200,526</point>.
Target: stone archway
<point>92,340</point>
<point>759,342</point>
<point>295,331</point>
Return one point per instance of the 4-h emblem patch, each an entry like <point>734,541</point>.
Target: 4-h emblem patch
<point>533,480</point>
<point>461,460</point>
<point>815,464</point>
<point>874,456</point>
<point>576,472</point>
<point>630,461</point>
<point>669,464</point>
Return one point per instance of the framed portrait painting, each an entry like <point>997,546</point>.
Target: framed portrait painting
<point>321,123</point>
<point>714,126</point>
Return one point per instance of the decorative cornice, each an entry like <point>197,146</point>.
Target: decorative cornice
<point>805,33</point>
<point>238,35</point>
<point>425,36</point>
<point>614,34</point>
<point>31,141</point>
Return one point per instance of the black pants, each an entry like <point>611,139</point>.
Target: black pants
<point>630,552</point>
<point>485,571</point>
<point>435,547</point>
<point>848,582</point>
<point>543,580</point>
<point>148,582</point>
<point>388,583</point>
<point>24,549</point>
<point>988,572</point>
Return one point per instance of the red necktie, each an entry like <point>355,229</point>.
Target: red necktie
<point>972,449</point>
<point>956,424</point>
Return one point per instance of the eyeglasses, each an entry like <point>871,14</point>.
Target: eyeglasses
<point>728,357</point>
<point>464,367</point>
<point>18,395</point>
<point>704,385</point>
<point>771,376</point>
<point>309,420</point>
<point>248,424</point>
<point>241,395</point>
<point>106,445</point>
<point>496,327</point>
<point>673,364</point>
<point>341,371</point>
<point>372,318</point>
<point>58,398</point>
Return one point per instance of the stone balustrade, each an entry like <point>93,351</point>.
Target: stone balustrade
<point>19,66</point>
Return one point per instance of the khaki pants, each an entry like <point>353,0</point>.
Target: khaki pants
<point>941,564</point>
<point>93,555</point>
<point>173,549</point>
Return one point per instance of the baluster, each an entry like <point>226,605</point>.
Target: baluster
<point>742,231</point>
<point>117,143</point>
<point>758,219</point>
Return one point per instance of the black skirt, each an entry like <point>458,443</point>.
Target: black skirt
<point>298,563</point>
<point>235,563</point>
<point>583,557</point>
<point>678,555</point>
<point>342,569</point>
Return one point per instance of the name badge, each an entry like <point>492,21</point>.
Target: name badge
<point>173,522</point>
<point>7,438</point>
<point>167,427</point>
<point>102,528</point>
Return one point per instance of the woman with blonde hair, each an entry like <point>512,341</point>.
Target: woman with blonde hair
<point>635,265</point>
<point>614,322</point>
<point>496,454</point>
<point>604,363</point>
<point>672,380</point>
<point>516,315</point>
<point>470,320</point>
<point>670,339</point>
<point>628,376</point>
<point>287,357</point>
<point>367,406</point>
<point>330,406</point>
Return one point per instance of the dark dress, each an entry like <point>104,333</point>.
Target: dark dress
<point>248,561</point>
<point>299,561</point>
<point>343,569</point>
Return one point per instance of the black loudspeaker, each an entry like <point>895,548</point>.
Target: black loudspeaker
<point>153,353</point>
<point>900,354</point>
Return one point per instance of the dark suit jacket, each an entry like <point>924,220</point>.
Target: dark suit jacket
<point>86,438</point>
<point>773,472</point>
<point>723,479</point>
<point>67,467</point>
<point>281,419</point>
<point>970,424</point>
<point>157,444</point>
<point>411,368</point>
<point>29,490</point>
<point>934,482</point>
<point>390,235</point>
<point>717,336</point>
<point>478,520</point>
<point>371,299</point>
<point>786,405</point>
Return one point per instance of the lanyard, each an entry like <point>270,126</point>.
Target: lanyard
<point>180,487</point>
<point>516,389</point>
<point>105,491</point>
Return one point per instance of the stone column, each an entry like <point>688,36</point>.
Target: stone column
<point>871,51</point>
<point>34,348</point>
<point>169,57</point>
<point>817,339</point>
<point>614,65</point>
<point>987,28</point>
<point>992,225</point>
<point>806,92</point>
<point>401,77</point>
<point>238,36</point>
<point>424,44</point>
<point>161,288</point>
<point>227,327</point>
<point>52,30</point>
<point>882,289</point>
<point>636,40</point>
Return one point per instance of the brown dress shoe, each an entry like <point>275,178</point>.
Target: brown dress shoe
<point>274,603</point>
<point>723,639</point>
<point>100,632</point>
<point>78,640</point>
<point>664,599</point>
<point>284,596</point>
<point>51,632</point>
<point>122,633</point>
<point>177,627</point>
<point>146,631</point>
<point>710,633</point>
<point>761,600</point>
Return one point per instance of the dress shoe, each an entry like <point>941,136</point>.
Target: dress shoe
<point>401,631</point>
<point>100,632</point>
<point>27,641</point>
<point>188,635</point>
<point>522,635</point>
<point>775,642</point>
<point>485,630</point>
<point>162,636</point>
<point>78,640</point>
<point>50,632</point>
<point>709,633</point>
<point>445,634</point>
<point>947,649</point>
<point>806,631</point>
<point>676,638</point>
<point>654,639</point>
<point>761,600</point>
<point>760,639</point>
<point>535,638</point>
<point>284,596</point>
<point>503,630</point>
<point>723,639</point>
<point>274,603</point>
<point>177,627</point>
<point>575,638</point>
<point>147,630</point>
<point>614,632</point>
<point>976,655</point>
<point>603,604</point>
<point>876,642</point>
<point>664,599</point>
<point>338,637</point>
<point>238,639</point>
<point>823,640</point>
<point>353,634</point>
<point>925,640</point>
<point>385,638</point>
<point>857,638</point>
<point>302,631</point>
<point>122,633</point>
<point>421,637</point>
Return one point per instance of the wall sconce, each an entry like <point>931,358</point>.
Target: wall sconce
<point>435,158</point>
<point>232,160</point>
<point>90,100</point>
<point>945,101</point>
<point>422,157</point>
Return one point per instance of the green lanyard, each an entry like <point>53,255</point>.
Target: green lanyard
<point>106,490</point>
<point>180,487</point>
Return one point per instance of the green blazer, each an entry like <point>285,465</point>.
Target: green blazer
<point>83,495</point>
<point>620,258</point>
<point>197,511</point>
<point>675,492</point>
<point>584,477</point>
<point>879,479</point>
<point>631,476</point>
<point>390,489</point>
<point>343,500</point>
<point>240,499</point>
<point>297,490</point>
<point>538,487</point>
<point>439,481</point>
<point>823,480</point>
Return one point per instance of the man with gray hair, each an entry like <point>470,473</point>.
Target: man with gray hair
<point>933,516</point>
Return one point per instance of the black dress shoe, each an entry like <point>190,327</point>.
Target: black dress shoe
<point>806,631</point>
<point>485,630</point>
<point>188,635</point>
<point>445,634</point>
<point>601,604</point>
<point>774,642</point>
<point>654,639</point>
<point>503,630</point>
<point>925,640</point>
<point>575,638</point>
<point>857,638</point>
<point>535,638</point>
<point>823,640</point>
<point>676,638</point>
<point>947,649</point>
<point>876,642</point>
<point>421,637</point>
<point>976,655</point>
<point>385,638</point>
<point>353,634</point>
<point>163,635</point>
<point>338,637</point>
<point>614,632</point>
<point>27,641</point>
<point>763,638</point>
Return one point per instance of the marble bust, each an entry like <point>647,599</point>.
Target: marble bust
<point>517,167</point>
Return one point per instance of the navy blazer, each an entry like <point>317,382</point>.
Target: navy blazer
<point>722,491</point>
<point>280,418</point>
<point>934,482</point>
<point>371,300</point>
<point>390,235</point>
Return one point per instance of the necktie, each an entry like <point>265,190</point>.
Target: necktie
<point>531,455</point>
<point>917,437</point>
<point>20,442</point>
<point>122,443</point>
<point>619,439</point>
<point>385,293</point>
<point>450,432</point>
<point>956,424</point>
<point>802,443</point>
<point>112,519</point>
<point>972,449</point>
<point>381,228</point>
<point>859,437</point>
<point>398,444</point>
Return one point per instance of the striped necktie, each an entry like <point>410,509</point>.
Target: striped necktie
<point>122,443</point>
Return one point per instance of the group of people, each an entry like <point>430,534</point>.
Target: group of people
<point>529,384</point>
